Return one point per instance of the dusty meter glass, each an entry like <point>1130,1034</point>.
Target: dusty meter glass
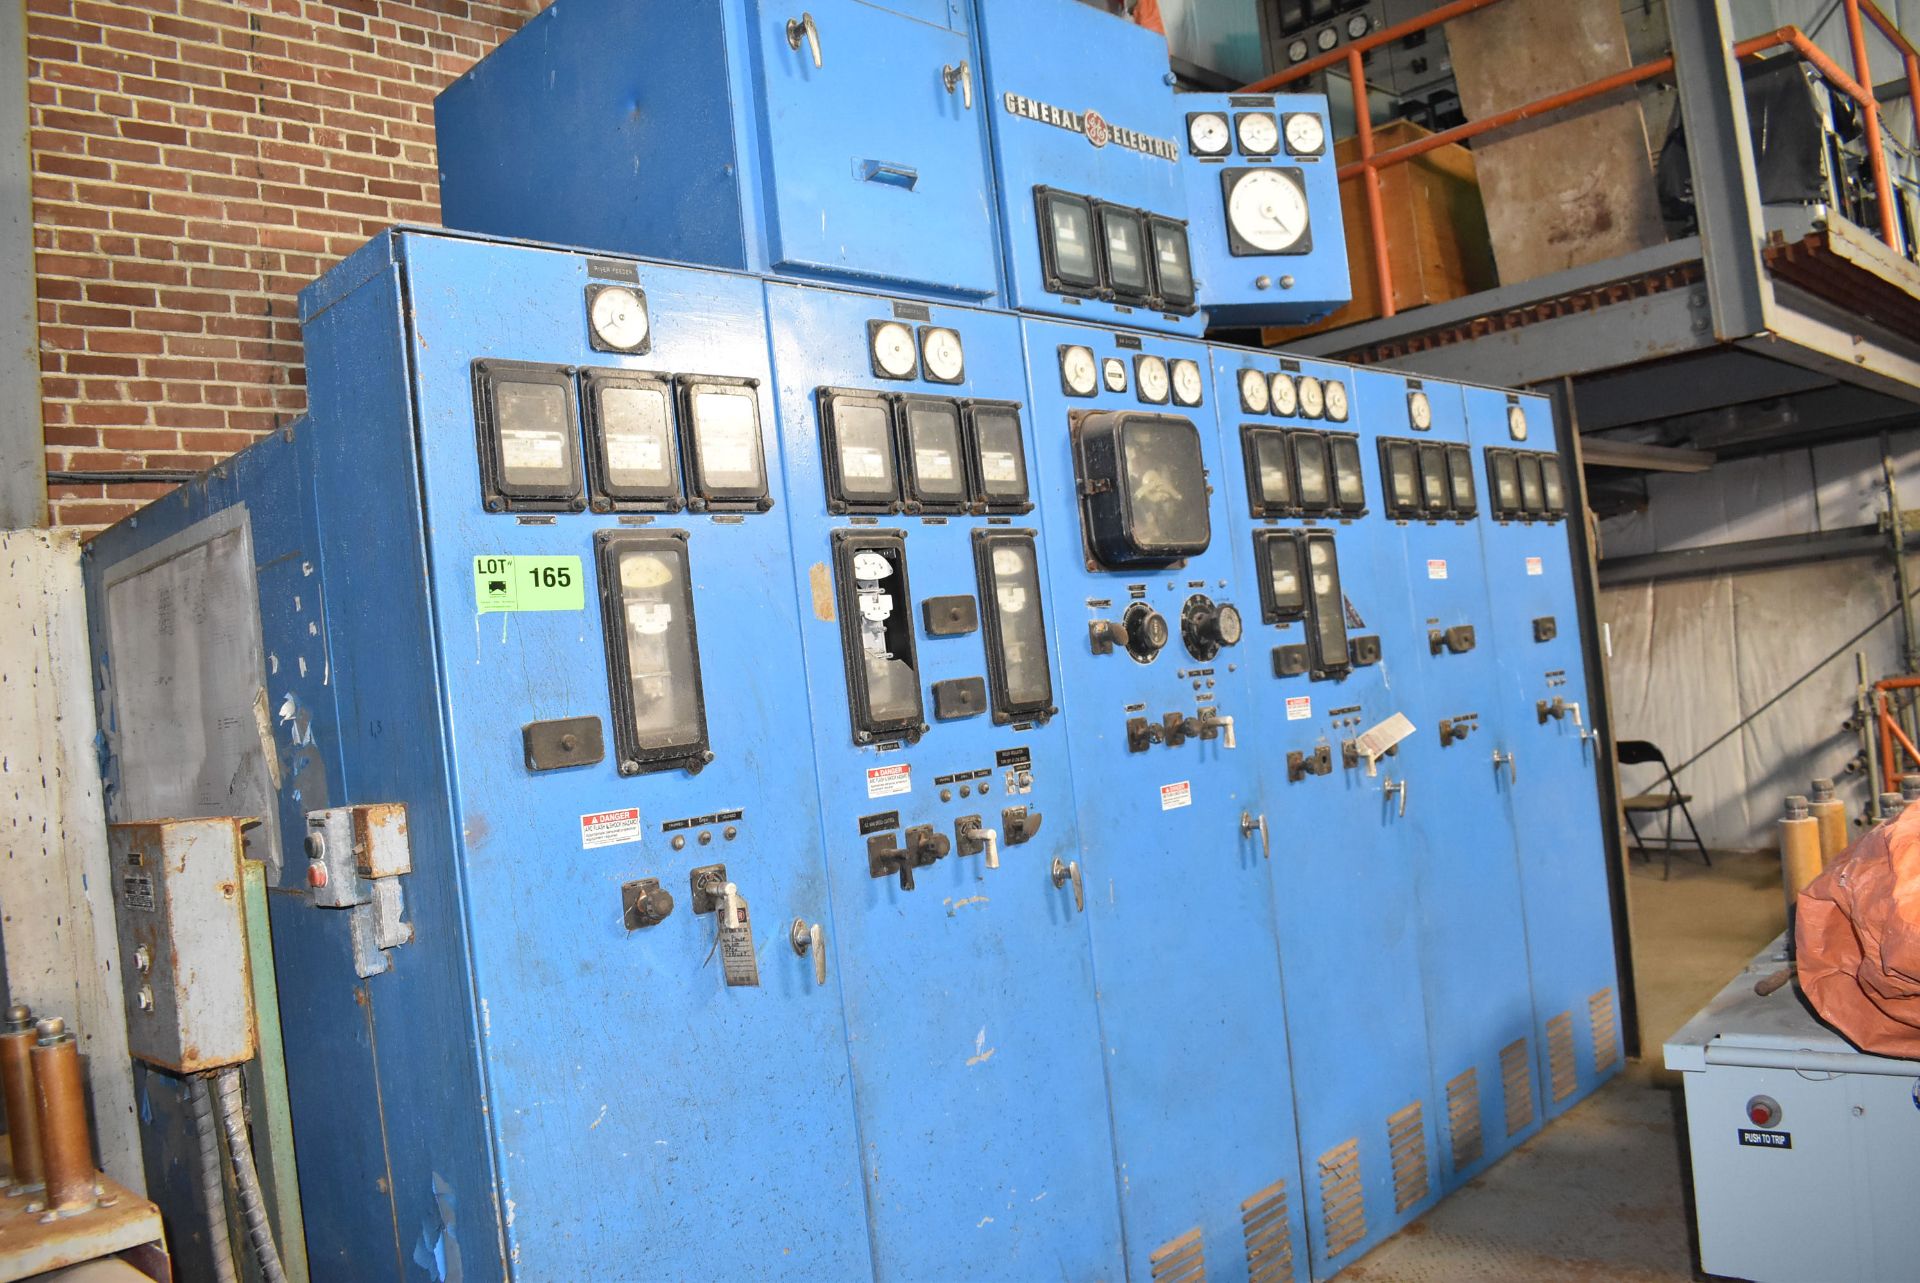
<point>1460,482</point>
<point>1434,487</point>
<point>1553,486</point>
<point>633,447</point>
<point>653,665</point>
<point>1283,590</point>
<point>1312,483</point>
<point>1349,485</point>
<point>528,438</point>
<point>1172,264</point>
<point>1266,211</point>
<point>857,446</point>
<point>1008,568</point>
<point>1400,474</point>
<point>997,456</point>
<point>1503,476</point>
<point>1533,485</point>
<point>1143,487</point>
<point>931,454</point>
<point>1123,251</point>
<point>1269,475</point>
<point>876,632</point>
<point>1327,613</point>
<point>720,429</point>
<point>1068,255</point>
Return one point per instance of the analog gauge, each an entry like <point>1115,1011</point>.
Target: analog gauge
<point>1297,51</point>
<point>1150,377</point>
<point>1078,373</point>
<point>1306,136</point>
<point>1286,397</point>
<point>945,359</point>
<point>1208,134</point>
<point>1313,397</point>
<point>1357,26</point>
<point>1259,133</point>
<point>1253,391</point>
<point>1113,373</point>
<point>1419,411</point>
<point>1187,387</point>
<point>1267,211</point>
<point>1516,423</point>
<point>1327,38</point>
<point>893,351</point>
<point>1336,400</point>
<point>619,319</point>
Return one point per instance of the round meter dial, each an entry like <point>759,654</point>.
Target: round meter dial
<point>1358,25</point>
<point>1297,51</point>
<point>1078,373</point>
<point>1113,373</point>
<point>1151,376</point>
<point>1306,136</point>
<point>1208,134</point>
<point>946,359</point>
<point>1327,38</point>
<point>871,566</point>
<point>1187,384</point>
<point>1259,133</point>
<point>1419,411</point>
<point>893,351</point>
<point>1253,391</point>
<point>619,319</point>
<point>1336,400</point>
<point>1313,397</point>
<point>1268,211</point>
<point>1516,423</point>
<point>1286,396</point>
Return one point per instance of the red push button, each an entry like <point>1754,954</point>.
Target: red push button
<point>1763,1111</point>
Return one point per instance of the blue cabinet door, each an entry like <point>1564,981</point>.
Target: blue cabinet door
<point>874,168</point>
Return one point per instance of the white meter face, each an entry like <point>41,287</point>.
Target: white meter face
<point>1286,396</point>
<point>1208,134</point>
<point>619,319</point>
<point>1187,384</point>
<point>1336,401</point>
<point>1327,38</point>
<point>1313,398</point>
<point>893,351</point>
<point>1306,136</point>
<point>1297,51</point>
<point>1516,423</point>
<point>945,359</point>
<point>1151,375</point>
<point>1259,133</point>
<point>1419,411</point>
<point>1078,371</point>
<point>1268,211</point>
<point>1253,391</point>
<point>1358,26</point>
<point>1113,373</point>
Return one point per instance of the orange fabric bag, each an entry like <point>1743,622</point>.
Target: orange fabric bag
<point>1857,939</point>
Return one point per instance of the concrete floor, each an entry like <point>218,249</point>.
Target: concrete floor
<point>1602,1193</point>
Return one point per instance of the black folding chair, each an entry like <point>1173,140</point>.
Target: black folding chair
<point>1661,801</point>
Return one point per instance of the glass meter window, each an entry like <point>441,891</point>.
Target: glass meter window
<point>1533,485</point>
<point>528,437</point>
<point>1553,486</point>
<point>653,668</point>
<point>1123,242</point>
<point>1311,482</point>
<point>720,437</point>
<point>857,442</point>
<point>1399,466</point>
<point>1020,679</point>
<point>1503,474</point>
<point>1349,487</point>
<point>1266,211</point>
<point>997,456</point>
<point>1327,633</point>
<point>876,631</point>
<point>1269,475</point>
<point>936,467</point>
<point>1283,587</point>
<point>1144,487</point>
<point>1172,263</point>
<point>1067,251</point>
<point>1460,481</point>
<point>1434,488</point>
<point>632,445</point>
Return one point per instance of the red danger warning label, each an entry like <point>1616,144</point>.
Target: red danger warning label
<point>889,781</point>
<point>610,828</point>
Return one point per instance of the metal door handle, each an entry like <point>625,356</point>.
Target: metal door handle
<point>810,939</point>
<point>963,75</point>
<point>1504,759</point>
<point>1393,786</point>
<point>1063,870</point>
<point>803,27</point>
<point>1250,823</point>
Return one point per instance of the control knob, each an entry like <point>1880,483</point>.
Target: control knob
<point>1206,627</point>
<point>1146,630</point>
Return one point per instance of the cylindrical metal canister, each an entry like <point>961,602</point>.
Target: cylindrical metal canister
<point>1831,813</point>
<point>65,1142</point>
<point>1799,849</point>
<point>16,1082</point>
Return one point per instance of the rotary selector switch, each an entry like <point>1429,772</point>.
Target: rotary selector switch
<point>1147,631</point>
<point>1205,627</point>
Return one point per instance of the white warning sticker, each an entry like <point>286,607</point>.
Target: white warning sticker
<point>889,781</point>
<point>1299,708</point>
<point>1534,567</point>
<point>1436,568</point>
<point>1175,796</point>
<point>610,828</point>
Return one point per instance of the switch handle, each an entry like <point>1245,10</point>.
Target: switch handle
<point>1399,787</point>
<point>1505,759</point>
<point>990,839</point>
<point>1226,741</point>
<point>1250,823</point>
<point>804,27</point>
<point>1062,871</point>
<point>810,940</point>
<point>963,76</point>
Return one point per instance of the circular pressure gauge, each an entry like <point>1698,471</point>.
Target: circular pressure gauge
<point>1286,396</point>
<point>1358,25</point>
<point>1208,134</point>
<point>1268,211</point>
<point>619,319</point>
<point>1297,51</point>
<point>943,354</point>
<point>1313,397</point>
<point>1336,400</point>
<point>1306,136</point>
<point>1151,375</point>
<point>1327,38</point>
<point>1419,411</point>
<point>1516,423</point>
<point>1259,133</point>
<point>1187,387</point>
<point>1078,373</point>
<point>1113,373</point>
<point>1253,391</point>
<point>893,354</point>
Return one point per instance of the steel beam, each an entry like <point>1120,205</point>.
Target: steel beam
<point>1746,554</point>
<point>1598,452</point>
<point>23,453</point>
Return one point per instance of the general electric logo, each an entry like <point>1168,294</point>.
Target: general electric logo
<point>1091,125</point>
<point>1095,127</point>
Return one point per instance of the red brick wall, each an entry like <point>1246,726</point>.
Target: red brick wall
<point>196,162</point>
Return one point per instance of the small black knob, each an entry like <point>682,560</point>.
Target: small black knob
<point>1147,631</point>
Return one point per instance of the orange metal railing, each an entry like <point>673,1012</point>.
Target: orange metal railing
<point>1890,733</point>
<point>1858,87</point>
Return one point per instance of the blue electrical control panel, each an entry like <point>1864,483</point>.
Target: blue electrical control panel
<point>1263,204</point>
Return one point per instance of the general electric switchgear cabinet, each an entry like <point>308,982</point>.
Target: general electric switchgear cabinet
<point>1173,828</point>
<point>1534,629</point>
<point>1263,204</point>
<point>571,657</point>
<point>945,788</point>
<point>1473,935</point>
<point>1328,654</point>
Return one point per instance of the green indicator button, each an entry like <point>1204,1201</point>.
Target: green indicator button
<point>528,583</point>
